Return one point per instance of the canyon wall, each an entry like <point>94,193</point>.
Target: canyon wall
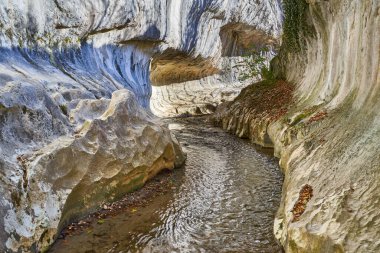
<point>75,85</point>
<point>328,138</point>
<point>101,46</point>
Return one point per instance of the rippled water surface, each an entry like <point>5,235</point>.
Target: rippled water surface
<point>225,201</point>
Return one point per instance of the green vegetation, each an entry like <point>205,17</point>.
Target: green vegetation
<point>39,39</point>
<point>20,42</point>
<point>67,40</point>
<point>298,118</point>
<point>301,116</point>
<point>296,30</point>
<point>296,27</point>
<point>101,221</point>
<point>255,64</point>
<point>9,33</point>
<point>64,109</point>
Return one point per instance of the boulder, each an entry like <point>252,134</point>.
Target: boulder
<point>115,149</point>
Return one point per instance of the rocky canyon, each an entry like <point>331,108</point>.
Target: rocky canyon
<point>84,85</point>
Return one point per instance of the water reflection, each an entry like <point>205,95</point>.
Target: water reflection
<point>226,198</point>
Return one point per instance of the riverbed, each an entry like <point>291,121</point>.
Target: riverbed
<point>223,199</point>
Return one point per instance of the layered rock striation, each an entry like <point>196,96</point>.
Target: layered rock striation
<point>328,137</point>
<point>102,46</point>
<point>75,88</point>
<point>115,149</point>
<point>195,85</point>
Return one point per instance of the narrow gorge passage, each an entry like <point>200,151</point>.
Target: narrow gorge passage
<point>223,200</point>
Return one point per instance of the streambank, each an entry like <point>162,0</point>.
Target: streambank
<point>328,138</point>
<point>314,153</point>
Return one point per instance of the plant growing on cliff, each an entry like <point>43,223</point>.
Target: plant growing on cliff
<point>296,27</point>
<point>64,109</point>
<point>255,64</point>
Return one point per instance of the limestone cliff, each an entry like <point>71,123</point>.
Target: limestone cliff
<point>328,138</point>
<point>92,48</point>
<point>70,138</point>
<point>69,128</point>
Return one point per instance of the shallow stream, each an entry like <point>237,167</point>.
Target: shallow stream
<point>223,200</point>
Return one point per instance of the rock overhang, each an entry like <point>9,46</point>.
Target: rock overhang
<point>77,54</point>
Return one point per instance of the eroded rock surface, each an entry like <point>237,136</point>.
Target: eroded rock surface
<point>69,138</point>
<point>191,84</point>
<point>52,174</point>
<point>198,97</point>
<point>61,61</point>
<point>97,47</point>
<point>329,138</point>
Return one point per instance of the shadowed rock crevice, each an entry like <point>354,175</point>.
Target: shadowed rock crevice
<point>185,85</point>
<point>239,39</point>
<point>173,66</point>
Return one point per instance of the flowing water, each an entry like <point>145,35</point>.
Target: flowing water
<point>225,200</point>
